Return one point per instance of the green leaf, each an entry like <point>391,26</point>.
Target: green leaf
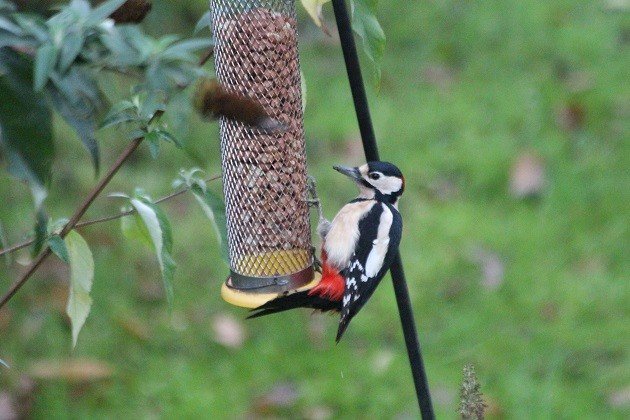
<point>103,11</point>
<point>123,52</point>
<point>7,25</point>
<point>78,99</point>
<point>56,226</point>
<point>134,229</point>
<point>214,208</point>
<point>28,147</point>
<point>161,235</point>
<point>178,114</point>
<point>122,117</point>
<point>166,136</point>
<point>45,60</point>
<point>204,22</point>
<point>58,246</point>
<point>161,44</point>
<point>153,140</point>
<point>72,45</point>
<point>40,232</point>
<point>81,278</point>
<point>183,50</point>
<point>365,24</point>
<point>6,6</point>
<point>5,364</point>
<point>154,102</point>
<point>123,111</point>
<point>33,25</point>
<point>119,195</point>
<point>314,9</point>
<point>79,8</point>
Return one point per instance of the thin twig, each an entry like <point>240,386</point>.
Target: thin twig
<point>79,212</point>
<point>16,247</point>
<point>79,225</point>
<point>133,210</point>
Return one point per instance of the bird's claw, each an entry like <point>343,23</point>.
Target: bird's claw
<point>317,264</point>
<point>313,198</point>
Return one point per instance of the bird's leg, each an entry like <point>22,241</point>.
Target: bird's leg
<point>317,264</point>
<point>323,225</point>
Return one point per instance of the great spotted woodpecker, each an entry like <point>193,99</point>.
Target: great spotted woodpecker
<point>357,246</point>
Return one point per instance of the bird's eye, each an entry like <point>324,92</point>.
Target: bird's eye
<point>374,176</point>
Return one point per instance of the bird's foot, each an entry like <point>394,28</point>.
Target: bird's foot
<point>313,198</point>
<point>317,264</point>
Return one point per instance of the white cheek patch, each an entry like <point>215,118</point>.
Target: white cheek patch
<point>389,184</point>
<point>381,243</point>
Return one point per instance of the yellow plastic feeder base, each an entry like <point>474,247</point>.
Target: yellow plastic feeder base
<point>252,300</point>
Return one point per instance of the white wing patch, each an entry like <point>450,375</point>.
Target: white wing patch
<point>380,244</point>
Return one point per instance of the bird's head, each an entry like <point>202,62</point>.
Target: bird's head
<point>381,181</point>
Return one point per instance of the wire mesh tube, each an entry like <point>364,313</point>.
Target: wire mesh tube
<point>264,175</point>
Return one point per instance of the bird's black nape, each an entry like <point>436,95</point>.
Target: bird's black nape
<point>386,168</point>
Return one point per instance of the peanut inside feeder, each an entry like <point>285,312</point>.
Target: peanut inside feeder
<point>264,175</point>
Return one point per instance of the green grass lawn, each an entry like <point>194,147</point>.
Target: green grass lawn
<point>533,291</point>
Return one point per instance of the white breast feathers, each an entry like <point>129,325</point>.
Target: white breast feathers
<point>342,238</point>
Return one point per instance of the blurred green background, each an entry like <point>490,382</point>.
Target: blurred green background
<point>509,119</point>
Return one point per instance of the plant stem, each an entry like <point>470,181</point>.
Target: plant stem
<point>16,247</point>
<point>79,225</point>
<point>79,212</point>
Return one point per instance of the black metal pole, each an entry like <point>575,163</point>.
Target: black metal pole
<point>371,153</point>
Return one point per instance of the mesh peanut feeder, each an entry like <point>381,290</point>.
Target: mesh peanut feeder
<point>264,175</point>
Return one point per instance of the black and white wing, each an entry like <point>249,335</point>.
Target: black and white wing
<point>380,233</point>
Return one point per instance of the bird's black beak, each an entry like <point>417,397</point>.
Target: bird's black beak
<point>350,172</point>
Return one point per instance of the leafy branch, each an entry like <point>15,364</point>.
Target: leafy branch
<point>54,64</point>
<point>76,216</point>
<point>70,247</point>
<point>16,247</point>
<point>364,23</point>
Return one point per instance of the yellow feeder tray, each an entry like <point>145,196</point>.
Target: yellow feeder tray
<point>241,289</point>
<point>246,299</point>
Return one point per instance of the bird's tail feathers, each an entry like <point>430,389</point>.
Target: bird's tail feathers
<point>295,300</point>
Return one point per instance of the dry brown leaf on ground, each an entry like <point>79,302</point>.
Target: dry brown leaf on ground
<point>492,268</point>
<point>73,371</point>
<point>134,326</point>
<point>8,407</point>
<point>228,331</point>
<point>620,398</point>
<point>282,396</point>
<point>527,177</point>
